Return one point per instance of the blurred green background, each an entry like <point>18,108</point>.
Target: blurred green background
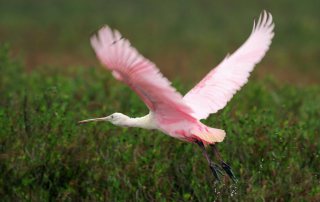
<point>180,36</point>
<point>50,79</point>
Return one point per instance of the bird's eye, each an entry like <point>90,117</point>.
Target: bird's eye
<point>112,116</point>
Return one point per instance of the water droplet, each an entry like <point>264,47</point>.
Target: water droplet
<point>234,190</point>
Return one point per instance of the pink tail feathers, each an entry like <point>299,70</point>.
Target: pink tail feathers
<point>210,135</point>
<point>218,134</point>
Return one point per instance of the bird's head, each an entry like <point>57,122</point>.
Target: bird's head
<point>118,119</point>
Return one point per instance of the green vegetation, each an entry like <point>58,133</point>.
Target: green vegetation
<point>272,143</point>
<point>272,124</point>
<point>177,35</point>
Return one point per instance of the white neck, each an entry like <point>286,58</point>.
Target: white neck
<point>146,122</point>
<point>118,119</point>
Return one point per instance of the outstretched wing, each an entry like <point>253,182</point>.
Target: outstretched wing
<point>139,73</point>
<point>214,91</point>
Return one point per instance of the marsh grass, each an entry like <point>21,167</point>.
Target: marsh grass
<point>272,142</point>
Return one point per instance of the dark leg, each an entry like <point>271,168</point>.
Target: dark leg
<point>225,166</point>
<point>214,167</point>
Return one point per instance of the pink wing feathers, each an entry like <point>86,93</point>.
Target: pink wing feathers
<point>140,74</point>
<point>214,91</point>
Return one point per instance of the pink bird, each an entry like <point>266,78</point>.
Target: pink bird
<point>170,112</point>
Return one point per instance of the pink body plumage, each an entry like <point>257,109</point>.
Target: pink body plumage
<point>170,112</point>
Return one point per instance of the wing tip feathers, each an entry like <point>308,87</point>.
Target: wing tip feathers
<point>265,20</point>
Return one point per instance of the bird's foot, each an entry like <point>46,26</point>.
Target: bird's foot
<point>216,171</point>
<point>228,170</point>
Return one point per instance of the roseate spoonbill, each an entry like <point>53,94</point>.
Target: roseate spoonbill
<point>171,113</point>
